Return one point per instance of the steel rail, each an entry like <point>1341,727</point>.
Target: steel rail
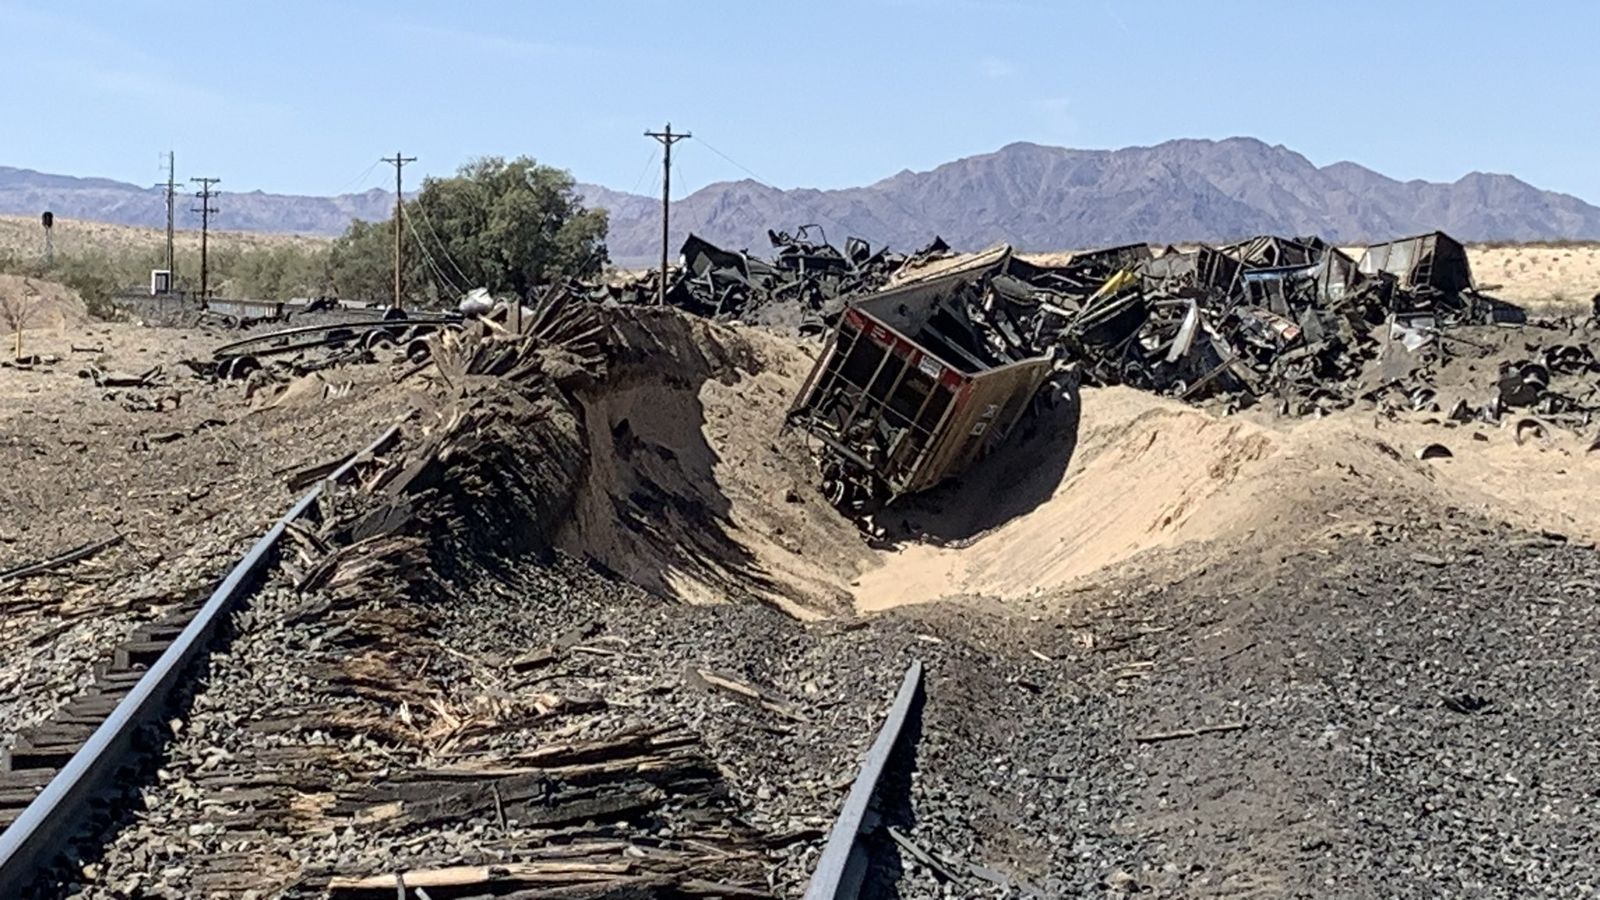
<point>42,831</point>
<point>843,864</point>
<point>242,347</point>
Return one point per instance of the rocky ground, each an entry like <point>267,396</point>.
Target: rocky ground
<point>111,434</point>
<point>1396,702</point>
<point>1399,710</point>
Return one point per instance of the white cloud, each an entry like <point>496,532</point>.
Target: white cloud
<point>994,67</point>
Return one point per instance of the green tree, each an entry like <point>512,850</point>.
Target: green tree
<point>259,273</point>
<point>505,226</point>
<point>361,263</point>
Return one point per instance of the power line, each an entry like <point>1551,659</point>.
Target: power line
<point>735,162</point>
<point>440,275</point>
<point>359,179</point>
<point>643,171</point>
<point>667,139</point>
<point>399,163</point>
<point>443,250</point>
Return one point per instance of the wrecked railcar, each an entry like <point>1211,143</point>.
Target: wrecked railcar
<point>1433,273</point>
<point>907,393</point>
<point>805,285</point>
<point>1433,261</point>
<point>1323,284</point>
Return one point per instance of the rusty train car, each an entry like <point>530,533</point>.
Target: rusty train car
<point>908,393</point>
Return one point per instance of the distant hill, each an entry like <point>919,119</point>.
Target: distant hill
<point>1044,198</point>
<point>1036,197</point>
<point>26,192</point>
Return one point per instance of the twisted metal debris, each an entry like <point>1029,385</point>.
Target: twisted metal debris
<point>806,283</point>
<point>1292,321</point>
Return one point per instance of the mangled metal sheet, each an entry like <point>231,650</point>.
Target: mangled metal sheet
<point>805,285</point>
<point>1286,320</point>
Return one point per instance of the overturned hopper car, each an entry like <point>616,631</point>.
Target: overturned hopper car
<point>908,392</point>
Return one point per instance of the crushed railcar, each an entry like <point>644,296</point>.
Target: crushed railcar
<point>907,393</point>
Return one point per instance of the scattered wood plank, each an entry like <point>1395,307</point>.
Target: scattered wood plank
<point>501,875</point>
<point>1138,669</point>
<point>78,554</point>
<point>912,847</point>
<point>536,659</point>
<point>301,478</point>
<point>1157,737</point>
<point>747,691</point>
<point>504,873</point>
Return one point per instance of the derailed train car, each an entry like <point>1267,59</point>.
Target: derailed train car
<point>906,393</point>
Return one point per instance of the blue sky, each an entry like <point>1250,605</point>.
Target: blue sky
<point>303,97</point>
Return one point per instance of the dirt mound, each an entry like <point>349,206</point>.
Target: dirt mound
<point>668,466</point>
<point>1145,473</point>
<point>1148,474</point>
<point>645,441</point>
<point>691,490</point>
<point>46,304</point>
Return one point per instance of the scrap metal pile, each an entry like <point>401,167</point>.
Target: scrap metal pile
<point>805,284</point>
<point>1533,380</point>
<point>1291,321</point>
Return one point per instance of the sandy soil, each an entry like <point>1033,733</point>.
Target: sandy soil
<point>692,490</point>
<point>695,491</point>
<point>24,237</point>
<point>1541,277</point>
<point>1150,474</point>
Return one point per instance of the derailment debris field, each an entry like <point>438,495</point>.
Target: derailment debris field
<point>1262,569</point>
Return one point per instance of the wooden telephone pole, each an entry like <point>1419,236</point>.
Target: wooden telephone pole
<point>172,192</point>
<point>206,209</point>
<point>399,163</point>
<point>667,139</point>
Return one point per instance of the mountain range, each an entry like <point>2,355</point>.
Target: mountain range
<point>1035,197</point>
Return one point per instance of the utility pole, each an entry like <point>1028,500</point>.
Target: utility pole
<point>172,188</point>
<point>399,162</point>
<point>667,139</point>
<point>206,209</point>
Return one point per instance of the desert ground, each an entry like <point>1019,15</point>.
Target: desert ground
<point>23,238</point>
<point>592,620</point>
<point>1541,276</point>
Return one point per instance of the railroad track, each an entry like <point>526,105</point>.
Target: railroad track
<point>53,776</point>
<point>410,333</point>
<point>53,773</point>
<point>856,837</point>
